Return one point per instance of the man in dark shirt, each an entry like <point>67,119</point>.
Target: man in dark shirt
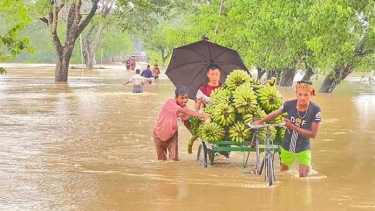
<point>147,73</point>
<point>302,124</point>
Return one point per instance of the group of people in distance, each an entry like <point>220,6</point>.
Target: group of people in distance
<point>140,79</point>
<point>130,64</point>
<point>302,122</point>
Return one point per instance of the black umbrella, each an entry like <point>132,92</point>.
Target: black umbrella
<point>188,65</point>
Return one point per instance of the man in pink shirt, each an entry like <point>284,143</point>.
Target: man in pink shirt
<point>166,128</point>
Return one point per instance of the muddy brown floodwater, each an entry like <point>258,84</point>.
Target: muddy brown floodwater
<point>87,145</point>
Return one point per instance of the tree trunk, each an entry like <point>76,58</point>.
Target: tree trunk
<point>221,11</point>
<point>91,46</point>
<point>62,67</point>
<point>335,77</point>
<point>288,77</point>
<point>164,55</point>
<point>74,27</point>
<point>309,72</point>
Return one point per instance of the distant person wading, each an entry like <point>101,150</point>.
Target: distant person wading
<point>147,73</point>
<point>138,82</point>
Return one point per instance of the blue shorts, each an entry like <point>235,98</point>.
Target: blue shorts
<point>137,89</point>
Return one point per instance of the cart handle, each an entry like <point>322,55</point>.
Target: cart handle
<point>265,125</point>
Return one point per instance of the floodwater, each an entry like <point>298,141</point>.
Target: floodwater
<point>87,145</point>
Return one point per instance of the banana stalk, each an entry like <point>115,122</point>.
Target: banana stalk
<point>191,142</point>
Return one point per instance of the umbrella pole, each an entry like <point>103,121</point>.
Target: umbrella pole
<point>221,11</point>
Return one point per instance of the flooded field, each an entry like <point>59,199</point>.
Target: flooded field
<point>87,145</point>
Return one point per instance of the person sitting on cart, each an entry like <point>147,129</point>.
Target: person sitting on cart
<point>204,93</point>
<point>302,124</point>
<point>166,128</point>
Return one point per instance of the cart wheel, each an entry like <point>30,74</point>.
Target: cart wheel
<point>202,160</point>
<point>201,155</point>
<point>199,152</point>
<point>261,166</point>
<point>211,156</point>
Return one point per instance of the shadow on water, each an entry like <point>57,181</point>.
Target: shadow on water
<point>87,145</point>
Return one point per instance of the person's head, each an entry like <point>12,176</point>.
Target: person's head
<point>205,38</point>
<point>148,66</point>
<point>304,91</point>
<point>213,74</point>
<point>137,71</point>
<point>181,96</point>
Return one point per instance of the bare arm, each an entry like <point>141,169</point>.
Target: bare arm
<point>193,113</point>
<point>126,83</point>
<point>269,117</point>
<point>304,132</point>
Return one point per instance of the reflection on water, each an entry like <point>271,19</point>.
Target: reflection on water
<point>87,145</point>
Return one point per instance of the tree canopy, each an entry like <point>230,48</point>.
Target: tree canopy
<point>13,18</point>
<point>324,38</point>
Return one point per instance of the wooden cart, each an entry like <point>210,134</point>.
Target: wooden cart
<point>206,151</point>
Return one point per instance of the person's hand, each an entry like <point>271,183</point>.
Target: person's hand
<point>207,117</point>
<point>198,103</point>
<point>256,122</point>
<point>288,124</point>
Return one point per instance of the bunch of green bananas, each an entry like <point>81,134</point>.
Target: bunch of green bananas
<point>210,109</point>
<point>224,114</point>
<point>280,134</point>
<point>255,114</point>
<point>237,78</point>
<point>195,122</point>
<point>239,132</point>
<point>244,99</point>
<point>277,120</point>
<point>269,98</point>
<point>240,100</point>
<point>221,95</point>
<point>262,134</point>
<point>211,132</point>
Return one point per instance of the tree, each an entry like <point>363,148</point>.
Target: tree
<point>162,29</point>
<point>92,37</point>
<point>75,23</point>
<point>13,19</point>
<point>357,42</point>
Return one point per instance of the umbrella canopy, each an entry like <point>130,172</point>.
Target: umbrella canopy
<point>188,65</point>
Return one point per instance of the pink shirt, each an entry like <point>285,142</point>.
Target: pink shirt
<point>166,125</point>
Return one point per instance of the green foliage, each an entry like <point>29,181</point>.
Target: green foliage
<point>13,19</point>
<point>3,71</point>
<point>114,43</point>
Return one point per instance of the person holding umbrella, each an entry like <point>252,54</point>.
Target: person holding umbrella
<point>166,128</point>
<point>204,93</point>
<point>188,65</point>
